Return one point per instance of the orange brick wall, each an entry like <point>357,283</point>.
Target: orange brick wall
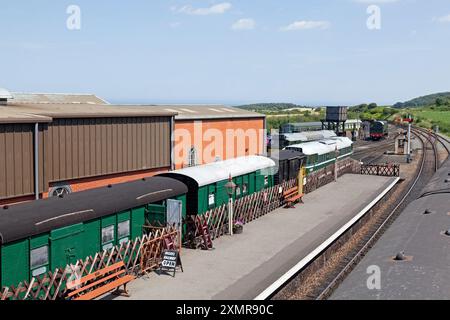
<point>205,133</point>
<point>98,182</point>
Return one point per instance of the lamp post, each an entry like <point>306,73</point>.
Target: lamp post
<point>336,155</point>
<point>230,186</point>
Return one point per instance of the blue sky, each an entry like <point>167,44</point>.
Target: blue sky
<point>233,51</point>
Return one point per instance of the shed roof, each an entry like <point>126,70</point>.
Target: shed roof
<point>41,216</point>
<point>199,112</point>
<point>221,170</point>
<point>12,116</point>
<point>59,98</point>
<point>56,110</point>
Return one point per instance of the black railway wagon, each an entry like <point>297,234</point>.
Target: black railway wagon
<point>43,235</point>
<point>290,162</point>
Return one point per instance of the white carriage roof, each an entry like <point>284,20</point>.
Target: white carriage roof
<point>310,135</point>
<point>323,146</point>
<point>221,170</point>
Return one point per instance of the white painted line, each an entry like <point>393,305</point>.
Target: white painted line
<point>300,265</point>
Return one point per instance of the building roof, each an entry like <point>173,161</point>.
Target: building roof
<point>59,98</point>
<point>41,216</point>
<point>221,170</point>
<point>322,146</point>
<point>56,110</point>
<point>12,116</point>
<point>309,135</point>
<point>199,112</point>
<point>424,274</point>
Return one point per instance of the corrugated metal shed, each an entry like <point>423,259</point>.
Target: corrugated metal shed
<point>78,141</point>
<point>221,170</point>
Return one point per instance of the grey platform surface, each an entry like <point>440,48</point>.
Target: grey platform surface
<point>242,266</point>
<point>425,273</point>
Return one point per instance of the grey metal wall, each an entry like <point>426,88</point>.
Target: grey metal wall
<point>79,148</point>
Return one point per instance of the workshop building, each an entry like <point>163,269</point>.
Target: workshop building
<point>209,133</point>
<point>69,145</point>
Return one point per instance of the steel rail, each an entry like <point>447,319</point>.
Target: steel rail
<point>377,232</point>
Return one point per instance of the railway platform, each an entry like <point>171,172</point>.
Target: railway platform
<point>245,265</point>
<point>421,235</point>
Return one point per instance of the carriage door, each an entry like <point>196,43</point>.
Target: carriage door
<point>67,245</point>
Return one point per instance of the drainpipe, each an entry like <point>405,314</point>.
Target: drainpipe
<point>36,160</point>
<point>172,143</point>
<point>265,138</point>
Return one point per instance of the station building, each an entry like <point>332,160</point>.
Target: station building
<point>69,143</point>
<point>209,133</point>
<point>76,142</point>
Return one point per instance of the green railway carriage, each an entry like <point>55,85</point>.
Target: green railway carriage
<point>320,154</point>
<point>43,235</point>
<point>206,183</point>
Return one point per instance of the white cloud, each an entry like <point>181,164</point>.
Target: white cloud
<point>444,19</point>
<point>306,25</point>
<point>219,8</point>
<point>244,24</point>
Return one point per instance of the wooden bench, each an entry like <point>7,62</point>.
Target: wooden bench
<point>291,197</point>
<point>100,282</point>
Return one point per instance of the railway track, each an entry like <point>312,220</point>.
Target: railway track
<point>364,234</point>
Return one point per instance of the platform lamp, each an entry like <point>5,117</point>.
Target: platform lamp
<point>230,187</point>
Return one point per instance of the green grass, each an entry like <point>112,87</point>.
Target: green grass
<point>428,117</point>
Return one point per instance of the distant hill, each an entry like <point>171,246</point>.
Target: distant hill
<point>423,101</point>
<point>270,106</point>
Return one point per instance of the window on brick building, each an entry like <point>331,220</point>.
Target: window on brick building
<point>192,161</point>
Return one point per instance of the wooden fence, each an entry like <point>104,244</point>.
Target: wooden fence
<point>141,255</point>
<point>245,210</point>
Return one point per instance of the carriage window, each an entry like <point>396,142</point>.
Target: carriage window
<point>266,180</point>
<point>39,257</point>
<point>107,234</point>
<point>123,229</point>
<point>244,188</point>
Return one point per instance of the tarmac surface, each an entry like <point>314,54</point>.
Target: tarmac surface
<point>243,266</point>
<point>419,232</point>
